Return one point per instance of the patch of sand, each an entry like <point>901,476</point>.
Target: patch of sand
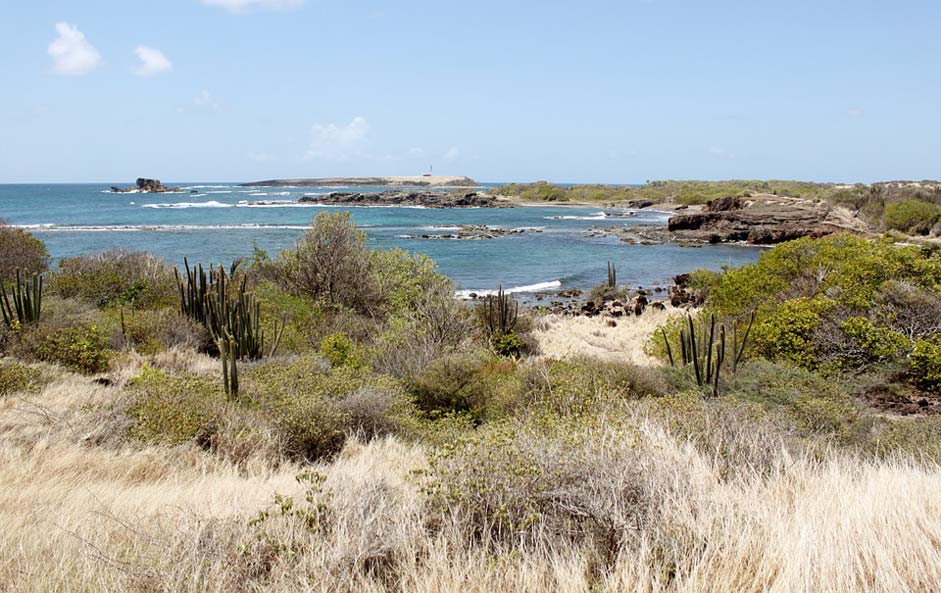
<point>561,336</point>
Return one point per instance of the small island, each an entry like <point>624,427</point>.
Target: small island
<point>408,181</point>
<point>145,186</point>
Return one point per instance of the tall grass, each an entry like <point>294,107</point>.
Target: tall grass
<point>82,512</point>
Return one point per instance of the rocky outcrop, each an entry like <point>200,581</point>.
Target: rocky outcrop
<point>473,232</point>
<point>763,220</point>
<point>414,181</point>
<point>145,186</point>
<point>424,198</point>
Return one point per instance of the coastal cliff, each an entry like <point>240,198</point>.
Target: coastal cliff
<point>414,181</point>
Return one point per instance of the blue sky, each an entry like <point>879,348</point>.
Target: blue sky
<point>623,92</point>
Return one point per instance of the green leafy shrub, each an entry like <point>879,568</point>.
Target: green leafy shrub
<point>911,216</point>
<point>469,384</point>
<point>21,251</point>
<point>138,280</point>
<point>299,316</point>
<point>507,344</point>
<point>811,403</point>
<point>18,378</point>
<point>80,347</point>
<point>926,363</point>
<point>787,331</point>
<point>176,408</point>
<point>314,408</point>
<point>339,350</point>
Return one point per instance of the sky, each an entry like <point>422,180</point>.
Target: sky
<point>589,91</point>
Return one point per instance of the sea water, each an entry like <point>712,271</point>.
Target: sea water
<point>219,222</point>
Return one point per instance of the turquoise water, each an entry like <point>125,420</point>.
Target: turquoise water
<point>220,222</point>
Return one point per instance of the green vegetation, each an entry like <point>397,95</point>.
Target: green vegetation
<point>26,302</point>
<point>21,251</point>
<point>911,207</point>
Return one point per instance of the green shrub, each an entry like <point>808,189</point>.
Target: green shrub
<point>138,280</point>
<point>299,315</point>
<point>926,363</point>
<point>468,384</point>
<point>18,378</point>
<point>82,347</point>
<point>507,344</point>
<point>21,251</point>
<point>786,332</point>
<point>176,408</point>
<point>339,350</point>
<point>314,408</point>
<point>812,404</point>
<point>911,216</point>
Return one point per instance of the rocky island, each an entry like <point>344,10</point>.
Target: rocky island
<point>422,198</point>
<point>413,181</point>
<point>145,186</point>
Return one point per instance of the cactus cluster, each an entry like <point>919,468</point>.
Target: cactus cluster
<point>27,301</point>
<point>706,355</point>
<point>612,275</point>
<point>228,314</point>
<point>500,313</point>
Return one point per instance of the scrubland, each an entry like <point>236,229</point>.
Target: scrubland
<point>371,433</point>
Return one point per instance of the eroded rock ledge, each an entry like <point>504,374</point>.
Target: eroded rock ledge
<point>145,186</point>
<point>763,220</point>
<point>423,198</point>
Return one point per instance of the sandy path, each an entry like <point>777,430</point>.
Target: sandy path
<point>561,336</point>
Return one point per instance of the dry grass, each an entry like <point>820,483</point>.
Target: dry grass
<point>78,517</point>
<point>562,337</point>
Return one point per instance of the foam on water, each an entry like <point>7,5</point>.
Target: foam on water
<point>538,287</point>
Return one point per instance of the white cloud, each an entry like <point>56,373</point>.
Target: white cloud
<point>72,53</point>
<point>856,112</point>
<point>452,154</point>
<point>337,143</point>
<point>153,62</point>
<point>243,6</point>
<point>203,101</point>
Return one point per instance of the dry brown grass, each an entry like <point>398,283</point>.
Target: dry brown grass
<point>78,516</point>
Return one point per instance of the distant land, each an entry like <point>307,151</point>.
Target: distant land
<point>414,181</point>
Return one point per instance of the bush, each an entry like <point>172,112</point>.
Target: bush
<point>507,344</point>
<point>926,363</point>
<point>786,333</point>
<point>83,348</point>
<point>466,384</point>
<point>18,378</point>
<point>331,263</point>
<point>176,408</point>
<point>21,251</point>
<point>139,280</point>
<point>314,409</point>
<point>811,403</point>
<point>155,330</point>
<point>911,216</point>
<point>339,350</point>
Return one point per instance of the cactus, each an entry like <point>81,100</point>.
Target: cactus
<point>612,275</point>
<point>500,313</point>
<point>228,315</point>
<point>230,369</point>
<point>27,301</point>
<point>705,355</point>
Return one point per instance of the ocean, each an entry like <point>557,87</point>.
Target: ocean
<point>219,222</point>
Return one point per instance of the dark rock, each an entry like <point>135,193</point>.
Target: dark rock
<point>146,186</point>
<point>426,198</point>
<point>724,204</point>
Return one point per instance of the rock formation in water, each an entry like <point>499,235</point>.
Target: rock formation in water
<point>145,186</point>
<point>424,198</point>
<point>415,181</point>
